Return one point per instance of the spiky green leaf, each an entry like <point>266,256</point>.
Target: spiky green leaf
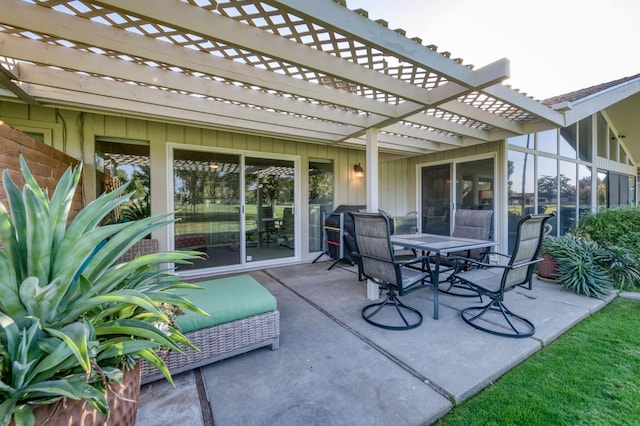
<point>60,203</point>
<point>38,235</point>
<point>9,294</point>
<point>76,337</point>
<point>138,329</point>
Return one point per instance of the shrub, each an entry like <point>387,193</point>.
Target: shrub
<point>619,226</point>
<point>582,264</point>
<point>622,268</point>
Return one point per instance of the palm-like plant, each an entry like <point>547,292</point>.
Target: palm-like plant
<point>70,315</point>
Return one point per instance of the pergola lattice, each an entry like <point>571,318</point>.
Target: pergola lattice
<point>294,69</point>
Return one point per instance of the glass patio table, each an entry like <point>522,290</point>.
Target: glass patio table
<point>438,245</point>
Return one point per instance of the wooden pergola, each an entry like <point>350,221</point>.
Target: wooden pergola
<point>293,69</point>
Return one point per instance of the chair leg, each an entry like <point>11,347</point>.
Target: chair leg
<point>459,288</point>
<point>392,301</point>
<point>520,326</point>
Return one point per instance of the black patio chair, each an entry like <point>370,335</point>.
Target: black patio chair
<point>474,224</point>
<point>494,280</point>
<point>268,229</point>
<point>286,231</point>
<point>376,261</point>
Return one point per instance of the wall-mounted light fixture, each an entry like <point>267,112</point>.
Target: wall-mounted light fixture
<point>213,166</point>
<point>358,171</point>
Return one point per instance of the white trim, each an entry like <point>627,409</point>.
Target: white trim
<point>26,126</point>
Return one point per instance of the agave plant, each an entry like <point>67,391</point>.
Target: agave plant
<point>583,264</point>
<point>136,210</point>
<point>71,315</point>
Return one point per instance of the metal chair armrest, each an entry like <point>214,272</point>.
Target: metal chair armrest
<point>396,262</point>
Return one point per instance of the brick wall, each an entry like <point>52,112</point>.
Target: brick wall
<point>46,164</point>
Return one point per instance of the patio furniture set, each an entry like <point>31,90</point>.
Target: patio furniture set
<point>244,315</point>
<point>467,266</point>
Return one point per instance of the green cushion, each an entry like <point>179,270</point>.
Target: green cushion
<point>226,300</point>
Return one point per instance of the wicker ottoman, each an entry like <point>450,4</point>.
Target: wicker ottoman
<point>244,316</point>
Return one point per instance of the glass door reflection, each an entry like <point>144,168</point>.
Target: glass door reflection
<point>207,205</point>
<point>473,189</point>
<point>269,209</point>
<point>436,199</point>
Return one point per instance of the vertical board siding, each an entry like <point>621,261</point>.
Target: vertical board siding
<point>77,134</point>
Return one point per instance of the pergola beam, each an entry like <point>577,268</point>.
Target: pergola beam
<point>159,112</point>
<point>212,26</point>
<point>216,27</point>
<point>29,50</point>
<point>41,19</point>
<point>127,70</point>
<point>343,21</point>
<point>231,64</point>
<point>442,94</point>
<point>112,89</point>
<point>371,33</point>
<point>6,81</point>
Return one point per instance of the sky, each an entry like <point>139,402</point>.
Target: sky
<point>554,46</point>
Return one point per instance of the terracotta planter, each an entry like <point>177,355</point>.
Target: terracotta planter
<point>548,268</point>
<point>123,407</point>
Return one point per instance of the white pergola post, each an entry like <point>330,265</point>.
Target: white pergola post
<point>371,170</point>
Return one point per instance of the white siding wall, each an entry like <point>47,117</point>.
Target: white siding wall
<point>74,132</point>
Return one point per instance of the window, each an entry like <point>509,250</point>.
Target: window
<point>548,141</point>
<point>613,146</point>
<point>585,136</point>
<point>603,183</point>
<point>569,141</point>
<point>623,156</point>
<point>523,141</point>
<point>602,132</point>
<point>584,189</point>
<point>621,190</point>
<point>321,188</point>
<point>35,135</point>
<point>521,190</point>
<point>548,188</point>
<point>119,162</point>
<point>568,196</point>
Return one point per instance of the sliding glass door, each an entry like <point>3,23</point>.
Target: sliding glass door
<point>436,199</point>
<point>473,189</point>
<point>234,208</point>
<point>207,204</point>
<point>269,209</point>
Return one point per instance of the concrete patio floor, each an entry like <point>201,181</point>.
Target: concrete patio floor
<point>333,368</point>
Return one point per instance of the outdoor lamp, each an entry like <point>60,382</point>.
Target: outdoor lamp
<point>358,171</point>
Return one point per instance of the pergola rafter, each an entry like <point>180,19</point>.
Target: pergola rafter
<point>299,70</point>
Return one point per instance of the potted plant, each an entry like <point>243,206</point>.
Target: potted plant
<point>73,320</point>
<point>589,268</point>
<point>548,267</point>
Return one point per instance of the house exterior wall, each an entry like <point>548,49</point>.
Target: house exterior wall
<point>75,132</point>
